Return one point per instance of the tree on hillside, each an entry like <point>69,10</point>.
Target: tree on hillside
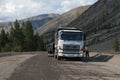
<point>3,39</point>
<point>29,37</point>
<point>21,38</point>
<point>39,43</point>
<point>17,37</point>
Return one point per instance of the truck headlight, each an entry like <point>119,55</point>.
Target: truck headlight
<point>59,47</point>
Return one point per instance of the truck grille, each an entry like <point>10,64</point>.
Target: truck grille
<point>71,48</point>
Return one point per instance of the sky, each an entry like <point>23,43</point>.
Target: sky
<point>20,9</point>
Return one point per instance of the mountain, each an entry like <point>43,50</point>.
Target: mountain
<point>101,23</point>
<point>49,28</point>
<point>5,25</point>
<point>37,21</point>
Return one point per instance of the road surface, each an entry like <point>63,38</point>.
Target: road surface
<point>10,63</point>
<point>42,67</point>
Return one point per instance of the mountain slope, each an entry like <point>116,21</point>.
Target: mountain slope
<point>37,21</point>
<point>61,21</point>
<point>101,23</point>
<point>5,25</point>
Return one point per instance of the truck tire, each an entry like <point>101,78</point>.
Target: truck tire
<point>55,56</point>
<point>58,58</point>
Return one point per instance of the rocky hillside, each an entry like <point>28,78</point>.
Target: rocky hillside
<point>37,21</point>
<point>61,21</point>
<point>101,23</point>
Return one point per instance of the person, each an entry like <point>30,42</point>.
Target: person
<point>86,51</point>
<point>53,48</point>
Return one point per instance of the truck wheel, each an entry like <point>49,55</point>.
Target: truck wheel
<point>58,58</point>
<point>55,56</point>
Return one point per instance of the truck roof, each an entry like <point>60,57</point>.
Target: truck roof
<point>71,30</point>
<point>68,28</point>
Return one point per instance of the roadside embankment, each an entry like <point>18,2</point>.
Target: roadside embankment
<point>3,54</point>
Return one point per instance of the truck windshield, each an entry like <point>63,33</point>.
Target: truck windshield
<point>71,36</point>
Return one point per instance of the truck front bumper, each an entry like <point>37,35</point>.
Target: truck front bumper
<point>71,54</point>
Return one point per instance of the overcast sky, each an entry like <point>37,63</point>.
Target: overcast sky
<point>19,9</point>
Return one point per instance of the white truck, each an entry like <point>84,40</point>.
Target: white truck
<point>69,42</point>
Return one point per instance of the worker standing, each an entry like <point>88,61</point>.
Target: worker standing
<point>86,51</point>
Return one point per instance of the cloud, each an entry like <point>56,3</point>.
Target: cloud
<point>19,9</point>
<point>70,4</point>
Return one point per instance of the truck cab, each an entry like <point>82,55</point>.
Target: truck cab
<point>69,43</point>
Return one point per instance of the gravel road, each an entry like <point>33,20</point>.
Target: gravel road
<point>10,63</point>
<point>42,67</point>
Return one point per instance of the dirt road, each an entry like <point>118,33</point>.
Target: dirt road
<point>42,67</point>
<point>8,64</point>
